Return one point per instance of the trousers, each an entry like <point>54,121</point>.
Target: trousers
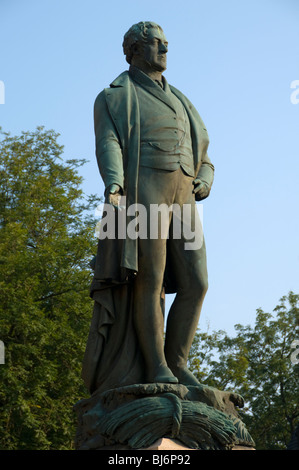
<point>188,268</point>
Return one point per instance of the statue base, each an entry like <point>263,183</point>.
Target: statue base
<point>150,416</point>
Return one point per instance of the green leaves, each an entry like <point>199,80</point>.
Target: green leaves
<point>257,364</point>
<point>46,243</point>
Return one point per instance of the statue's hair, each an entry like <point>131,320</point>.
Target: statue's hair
<point>137,33</point>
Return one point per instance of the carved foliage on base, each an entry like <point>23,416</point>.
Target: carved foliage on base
<point>136,416</point>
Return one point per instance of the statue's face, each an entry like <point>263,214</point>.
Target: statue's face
<point>154,51</point>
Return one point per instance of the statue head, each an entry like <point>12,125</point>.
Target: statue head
<point>145,45</point>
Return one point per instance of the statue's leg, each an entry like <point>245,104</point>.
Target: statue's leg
<point>148,284</point>
<point>148,313</point>
<point>189,268</point>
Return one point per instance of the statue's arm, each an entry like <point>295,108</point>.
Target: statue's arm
<point>108,150</point>
<point>204,179</point>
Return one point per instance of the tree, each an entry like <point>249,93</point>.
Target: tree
<point>258,363</point>
<point>46,243</point>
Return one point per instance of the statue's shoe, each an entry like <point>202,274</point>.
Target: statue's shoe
<point>185,377</point>
<point>166,379</point>
<point>163,375</point>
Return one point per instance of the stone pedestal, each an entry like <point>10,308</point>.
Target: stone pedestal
<point>173,445</point>
<point>168,444</point>
<point>161,417</point>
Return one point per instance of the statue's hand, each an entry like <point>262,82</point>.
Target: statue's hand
<point>201,189</point>
<point>113,196</point>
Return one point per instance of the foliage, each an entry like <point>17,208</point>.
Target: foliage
<point>257,364</point>
<point>46,243</point>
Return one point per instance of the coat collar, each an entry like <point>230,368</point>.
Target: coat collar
<point>151,86</point>
<point>146,82</point>
<point>121,80</point>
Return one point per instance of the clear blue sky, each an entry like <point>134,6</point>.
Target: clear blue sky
<point>235,60</point>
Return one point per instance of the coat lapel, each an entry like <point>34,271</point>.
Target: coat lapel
<point>148,84</point>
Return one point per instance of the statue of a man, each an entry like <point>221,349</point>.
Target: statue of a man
<point>151,147</point>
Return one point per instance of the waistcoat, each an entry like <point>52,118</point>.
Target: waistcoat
<point>165,136</point>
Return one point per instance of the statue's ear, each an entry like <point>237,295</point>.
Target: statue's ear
<point>136,48</point>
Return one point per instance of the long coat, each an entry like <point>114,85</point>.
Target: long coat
<point>117,132</point>
<point>112,356</point>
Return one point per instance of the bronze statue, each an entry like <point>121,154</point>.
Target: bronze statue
<point>151,146</point>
